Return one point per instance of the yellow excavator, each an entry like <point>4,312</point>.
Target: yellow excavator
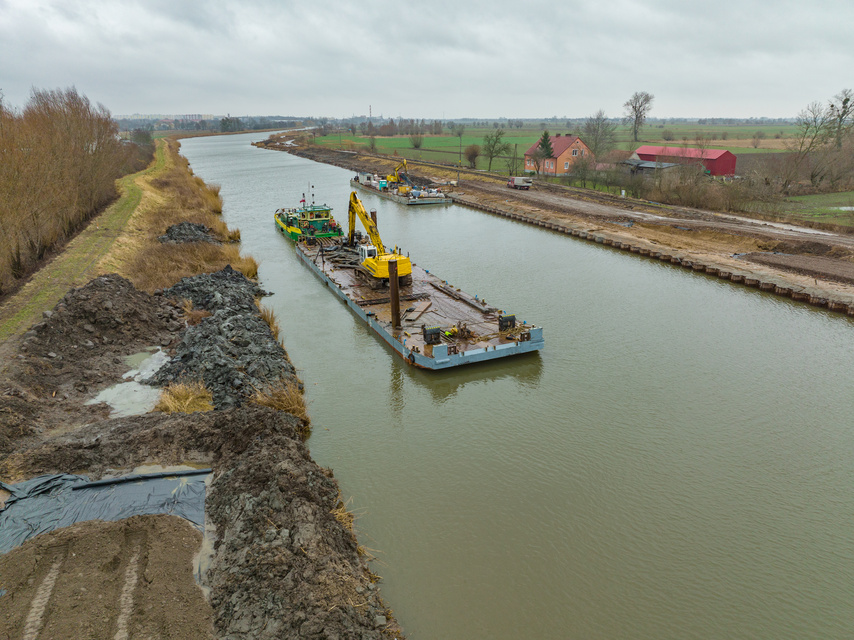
<point>399,179</point>
<point>374,257</point>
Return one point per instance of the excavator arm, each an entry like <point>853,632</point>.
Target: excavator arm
<point>375,264</point>
<point>396,176</point>
<point>358,209</point>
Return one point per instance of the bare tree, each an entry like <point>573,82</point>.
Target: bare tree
<point>599,134</point>
<point>513,161</point>
<point>494,146</point>
<point>637,108</point>
<point>812,132</point>
<point>841,115</point>
<point>416,140</point>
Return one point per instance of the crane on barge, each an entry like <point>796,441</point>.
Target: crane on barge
<point>374,257</point>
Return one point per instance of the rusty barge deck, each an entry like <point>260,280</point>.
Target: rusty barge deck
<point>468,329</point>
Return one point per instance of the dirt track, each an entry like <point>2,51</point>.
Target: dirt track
<point>803,263</point>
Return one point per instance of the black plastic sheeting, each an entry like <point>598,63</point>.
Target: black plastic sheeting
<point>51,502</point>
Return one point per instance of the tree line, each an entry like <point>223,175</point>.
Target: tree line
<point>59,160</point>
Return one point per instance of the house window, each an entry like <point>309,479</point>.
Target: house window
<point>582,152</point>
<point>565,166</point>
<point>575,152</point>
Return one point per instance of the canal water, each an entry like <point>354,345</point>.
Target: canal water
<point>678,462</point>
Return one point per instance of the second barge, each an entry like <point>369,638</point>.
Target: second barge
<point>437,326</point>
<point>399,192</point>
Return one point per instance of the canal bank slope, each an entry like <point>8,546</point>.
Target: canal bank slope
<point>815,266</point>
<point>279,557</point>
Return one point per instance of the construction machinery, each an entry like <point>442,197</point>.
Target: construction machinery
<point>399,179</point>
<point>374,257</point>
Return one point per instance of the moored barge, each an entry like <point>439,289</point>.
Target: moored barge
<point>398,191</point>
<point>434,325</point>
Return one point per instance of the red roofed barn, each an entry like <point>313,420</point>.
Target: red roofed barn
<point>567,149</point>
<point>718,162</point>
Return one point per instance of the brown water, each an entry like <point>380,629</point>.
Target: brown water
<point>678,462</point>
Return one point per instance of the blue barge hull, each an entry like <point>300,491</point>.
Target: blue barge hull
<point>409,344</point>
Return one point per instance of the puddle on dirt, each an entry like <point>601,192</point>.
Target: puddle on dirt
<point>128,399</point>
<point>146,364</point>
<point>132,398</point>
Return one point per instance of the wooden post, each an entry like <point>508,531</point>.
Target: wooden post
<point>374,216</point>
<point>394,292</point>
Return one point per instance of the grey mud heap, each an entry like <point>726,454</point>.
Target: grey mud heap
<point>284,561</point>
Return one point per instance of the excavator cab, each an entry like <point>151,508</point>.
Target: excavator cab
<point>367,251</point>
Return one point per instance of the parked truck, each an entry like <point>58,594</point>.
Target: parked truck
<point>520,183</point>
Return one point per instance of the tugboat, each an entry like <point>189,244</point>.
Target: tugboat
<point>308,221</point>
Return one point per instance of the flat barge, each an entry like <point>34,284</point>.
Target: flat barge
<point>407,196</point>
<point>441,327</point>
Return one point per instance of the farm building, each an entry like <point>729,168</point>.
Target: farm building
<point>718,162</point>
<point>567,149</point>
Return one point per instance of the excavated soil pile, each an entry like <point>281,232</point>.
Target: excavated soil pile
<point>233,350</point>
<point>78,350</point>
<point>188,232</point>
<point>284,566</point>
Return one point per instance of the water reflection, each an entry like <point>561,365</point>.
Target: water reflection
<point>525,369</point>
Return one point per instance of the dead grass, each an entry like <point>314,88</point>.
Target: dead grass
<point>210,196</point>
<point>185,397</point>
<point>343,515</point>
<point>285,395</point>
<point>191,315</point>
<point>268,316</point>
<point>162,265</point>
<point>174,195</point>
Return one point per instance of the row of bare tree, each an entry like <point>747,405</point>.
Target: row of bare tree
<point>59,159</point>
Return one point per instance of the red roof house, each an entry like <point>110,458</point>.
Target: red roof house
<point>567,149</point>
<point>718,162</point>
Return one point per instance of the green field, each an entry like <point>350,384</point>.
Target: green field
<point>446,148</point>
<point>825,208</point>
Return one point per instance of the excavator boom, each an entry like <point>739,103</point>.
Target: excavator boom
<point>358,209</point>
<point>374,257</point>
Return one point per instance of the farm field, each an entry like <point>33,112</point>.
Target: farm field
<point>446,148</point>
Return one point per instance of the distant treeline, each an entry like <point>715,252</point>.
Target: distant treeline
<point>59,160</point>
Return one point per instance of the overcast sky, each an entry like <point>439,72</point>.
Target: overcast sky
<point>431,59</point>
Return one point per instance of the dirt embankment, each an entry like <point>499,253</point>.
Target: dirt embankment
<point>285,561</point>
<point>812,265</point>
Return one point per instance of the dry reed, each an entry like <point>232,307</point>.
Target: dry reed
<point>163,265</point>
<point>285,395</point>
<point>268,316</point>
<point>185,397</point>
<point>343,515</point>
